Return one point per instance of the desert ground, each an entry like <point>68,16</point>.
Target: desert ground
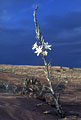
<point>25,107</point>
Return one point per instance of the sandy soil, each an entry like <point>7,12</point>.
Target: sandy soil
<point>17,107</point>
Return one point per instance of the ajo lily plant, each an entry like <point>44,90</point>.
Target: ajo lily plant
<point>41,49</point>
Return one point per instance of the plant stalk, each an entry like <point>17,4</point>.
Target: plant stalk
<point>58,106</point>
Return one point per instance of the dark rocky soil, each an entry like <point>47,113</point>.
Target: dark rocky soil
<point>18,107</point>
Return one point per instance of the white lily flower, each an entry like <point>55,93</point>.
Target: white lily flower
<point>38,50</point>
<point>45,53</point>
<point>47,46</point>
<point>35,46</point>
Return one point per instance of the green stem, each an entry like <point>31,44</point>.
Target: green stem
<point>48,76</point>
<point>59,108</point>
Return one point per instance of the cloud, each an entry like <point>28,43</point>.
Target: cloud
<point>15,17</point>
<point>17,14</point>
<point>71,21</point>
<point>14,7</point>
<point>70,35</point>
<point>64,28</point>
<point>13,37</point>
